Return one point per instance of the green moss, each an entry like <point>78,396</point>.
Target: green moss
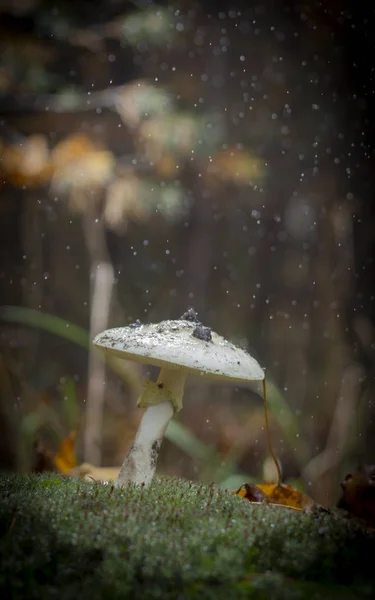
<point>176,539</point>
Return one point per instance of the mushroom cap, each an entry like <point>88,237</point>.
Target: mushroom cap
<point>181,344</point>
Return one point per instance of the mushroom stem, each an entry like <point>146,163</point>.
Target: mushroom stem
<point>140,463</point>
<point>161,399</point>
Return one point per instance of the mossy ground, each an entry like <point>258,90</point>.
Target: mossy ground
<point>68,539</point>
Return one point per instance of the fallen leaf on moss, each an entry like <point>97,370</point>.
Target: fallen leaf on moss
<point>65,458</point>
<point>90,472</point>
<point>271,493</point>
<point>358,497</point>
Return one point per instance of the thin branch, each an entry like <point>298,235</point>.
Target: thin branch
<point>102,276</point>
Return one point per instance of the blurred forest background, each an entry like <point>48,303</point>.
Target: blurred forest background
<point>161,155</point>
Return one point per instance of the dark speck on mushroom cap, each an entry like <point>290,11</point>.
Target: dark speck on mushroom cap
<point>136,323</point>
<point>190,315</point>
<point>203,333</point>
<point>172,344</point>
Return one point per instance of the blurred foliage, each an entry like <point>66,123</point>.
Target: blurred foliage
<point>150,26</point>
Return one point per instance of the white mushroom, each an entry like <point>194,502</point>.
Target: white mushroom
<point>179,347</point>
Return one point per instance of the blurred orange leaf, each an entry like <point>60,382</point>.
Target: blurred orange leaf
<point>237,166</point>
<point>65,458</point>
<point>78,164</point>
<point>72,147</point>
<point>280,494</point>
<point>75,163</point>
<point>26,163</point>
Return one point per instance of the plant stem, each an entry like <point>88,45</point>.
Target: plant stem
<point>102,278</point>
<point>269,436</point>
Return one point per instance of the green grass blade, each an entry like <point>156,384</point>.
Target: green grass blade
<point>287,421</point>
<point>50,323</point>
<point>68,393</point>
<point>184,439</point>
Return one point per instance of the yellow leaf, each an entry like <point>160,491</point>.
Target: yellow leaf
<point>286,495</point>
<point>65,458</point>
<point>280,494</point>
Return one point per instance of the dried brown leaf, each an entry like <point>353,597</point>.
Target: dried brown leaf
<point>358,497</point>
<point>280,494</point>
